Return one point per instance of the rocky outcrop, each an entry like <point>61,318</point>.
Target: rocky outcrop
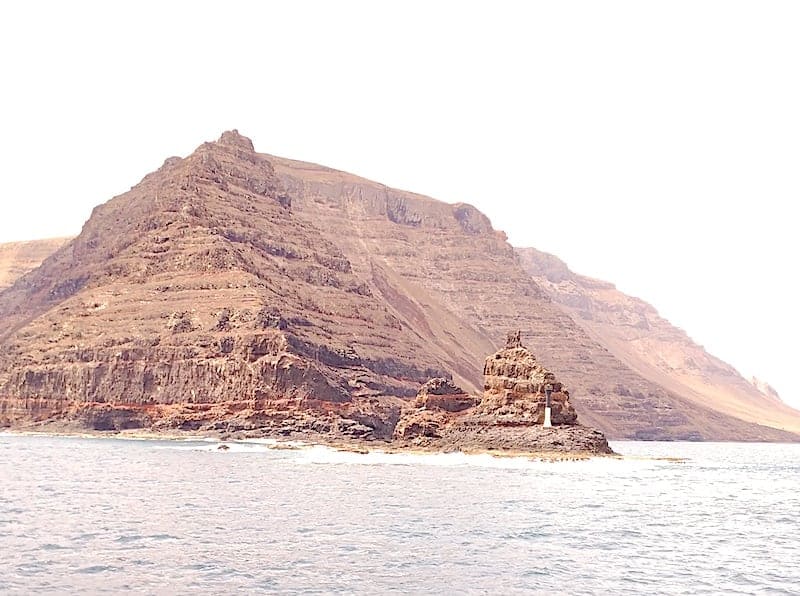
<point>424,424</point>
<point>442,394</point>
<point>508,416</point>
<point>515,385</point>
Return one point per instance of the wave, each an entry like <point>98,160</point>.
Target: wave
<point>320,454</point>
<point>304,453</point>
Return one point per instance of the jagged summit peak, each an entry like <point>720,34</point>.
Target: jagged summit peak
<point>234,139</point>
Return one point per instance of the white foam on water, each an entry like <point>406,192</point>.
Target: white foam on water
<point>275,443</point>
<point>305,453</point>
<point>320,454</point>
<point>217,446</point>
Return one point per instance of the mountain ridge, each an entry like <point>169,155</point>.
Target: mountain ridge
<point>441,282</point>
<point>635,332</point>
<point>319,185</point>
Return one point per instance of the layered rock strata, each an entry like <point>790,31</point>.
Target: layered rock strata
<point>200,301</point>
<point>199,297</point>
<point>230,287</point>
<point>515,383</point>
<point>634,332</point>
<point>459,284</point>
<point>509,415</point>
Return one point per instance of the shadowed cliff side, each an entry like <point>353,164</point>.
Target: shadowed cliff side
<point>17,258</point>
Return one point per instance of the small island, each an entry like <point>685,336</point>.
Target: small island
<point>510,415</point>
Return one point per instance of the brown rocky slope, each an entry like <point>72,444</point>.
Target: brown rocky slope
<point>238,290</point>
<point>199,290</point>
<point>634,332</point>
<point>17,258</point>
<point>199,301</point>
<point>446,268</point>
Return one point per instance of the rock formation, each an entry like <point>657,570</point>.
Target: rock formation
<point>509,415</point>
<point>233,290</point>
<point>198,298</point>
<point>459,284</point>
<point>442,394</point>
<point>514,385</point>
<point>634,333</point>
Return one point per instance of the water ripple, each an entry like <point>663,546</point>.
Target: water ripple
<point>89,515</point>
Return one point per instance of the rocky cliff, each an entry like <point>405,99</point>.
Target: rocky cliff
<point>196,297</point>
<point>633,331</point>
<point>237,290</point>
<point>459,283</point>
<point>17,258</point>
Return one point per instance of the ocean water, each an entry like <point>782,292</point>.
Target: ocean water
<point>80,515</point>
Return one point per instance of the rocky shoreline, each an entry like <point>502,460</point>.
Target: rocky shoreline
<point>308,440</point>
<point>509,418</point>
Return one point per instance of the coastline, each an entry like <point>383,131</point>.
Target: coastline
<point>301,441</point>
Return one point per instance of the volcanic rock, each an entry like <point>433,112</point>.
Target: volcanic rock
<point>232,290</point>
<point>514,384</point>
<point>421,424</point>
<point>509,416</point>
<point>442,394</point>
<point>199,296</point>
<point>634,332</point>
<point>459,285</point>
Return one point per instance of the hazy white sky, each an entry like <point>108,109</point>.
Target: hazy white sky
<point>653,144</point>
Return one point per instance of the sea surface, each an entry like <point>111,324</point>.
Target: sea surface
<point>92,515</point>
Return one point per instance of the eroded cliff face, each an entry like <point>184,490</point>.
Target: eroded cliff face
<point>634,332</point>
<point>199,296</point>
<point>514,385</point>
<point>460,284</point>
<point>509,414</point>
<point>233,290</point>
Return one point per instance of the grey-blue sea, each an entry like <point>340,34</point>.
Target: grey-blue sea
<point>84,515</point>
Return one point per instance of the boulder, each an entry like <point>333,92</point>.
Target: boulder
<point>418,425</point>
<point>442,394</point>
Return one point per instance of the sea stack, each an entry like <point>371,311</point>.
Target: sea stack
<point>515,386</point>
<point>509,416</point>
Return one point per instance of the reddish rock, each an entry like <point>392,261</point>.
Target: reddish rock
<point>514,388</point>
<point>201,287</point>
<point>442,394</point>
<point>509,415</point>
<point>421,424</point>
<point>244,282</point>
